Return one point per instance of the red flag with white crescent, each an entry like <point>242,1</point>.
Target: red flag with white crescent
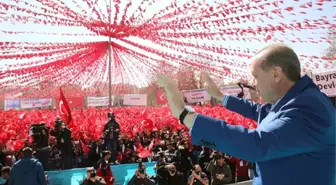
<point>63,108</point>
<point>161,98</point>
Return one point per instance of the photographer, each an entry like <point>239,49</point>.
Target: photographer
<point>140,177</point>
<point>92,178</point>
<point>111,134</point>
<point>174,177</point>
<point>64,143</point>
<point>198,177</point>
<point>220,171</point>
<point>160,168</point>
<point>40,134</point>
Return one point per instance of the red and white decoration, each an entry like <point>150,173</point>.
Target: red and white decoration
<point>161,98</point>
<point>217,36</point>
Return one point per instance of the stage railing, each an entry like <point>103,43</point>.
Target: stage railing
<point>122,174</point>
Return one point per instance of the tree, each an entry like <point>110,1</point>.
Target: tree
<point>331,51</point>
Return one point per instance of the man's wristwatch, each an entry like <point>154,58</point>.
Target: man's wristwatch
<point>185,112</point>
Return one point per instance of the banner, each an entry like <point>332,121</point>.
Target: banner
<point>160,98</point>
<point>135,99</point>
<point>196,95</point>
<point>326,82</point>
<point>98,101</point>
<point>12,104</point>
<point>34,103</point>
<point>234,90</point>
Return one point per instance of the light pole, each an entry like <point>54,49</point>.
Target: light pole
<point>110,61</point>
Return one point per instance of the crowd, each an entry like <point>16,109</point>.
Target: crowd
<point>178,162</point>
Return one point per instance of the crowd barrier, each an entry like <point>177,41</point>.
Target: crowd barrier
<point>122,174</point>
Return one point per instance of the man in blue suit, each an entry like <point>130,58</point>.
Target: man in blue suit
<point>294,143</point>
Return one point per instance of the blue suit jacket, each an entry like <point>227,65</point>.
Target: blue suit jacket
<point>294,143</point>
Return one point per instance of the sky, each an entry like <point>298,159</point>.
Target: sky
<point>305,49</point>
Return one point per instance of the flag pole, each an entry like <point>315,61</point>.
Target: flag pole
<point>110,62</point>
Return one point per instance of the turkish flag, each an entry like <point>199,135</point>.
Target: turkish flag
<point>63,108</point>
<point>160,98</point>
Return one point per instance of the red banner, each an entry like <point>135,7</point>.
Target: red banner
<point>160,98</point>
<point>76,102</point>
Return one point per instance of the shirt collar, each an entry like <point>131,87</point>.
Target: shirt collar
<point>302,84</point>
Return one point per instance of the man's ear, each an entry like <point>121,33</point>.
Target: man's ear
<point>277,74</point>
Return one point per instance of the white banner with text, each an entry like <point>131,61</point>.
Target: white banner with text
<point>196,95</point>
<point>234,90</point>
<point>35,103</point>
<point>135,99</point>
<point>326,82</point>
<point>12,104</point>
<point>97,101</point>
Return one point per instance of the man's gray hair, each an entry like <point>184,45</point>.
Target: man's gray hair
<point>284,57</point>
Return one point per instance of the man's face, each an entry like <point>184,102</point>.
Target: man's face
<point>263,81</point>
<point>220,161</point>
<point>5,175</point>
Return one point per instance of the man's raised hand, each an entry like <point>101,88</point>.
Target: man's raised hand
<point>211,87</point>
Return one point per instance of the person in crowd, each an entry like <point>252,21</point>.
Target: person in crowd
<point>204,160</point>
<point>241,169</point>
<point>174,177</point>
<point>220,171</point>
<point>27,171</point>
<point>111,134</point>
<point>92,178</point>
<point>185,160</point>
<point>40,134</point>
<point>291,131</point>
<point>140,177</point>
<point>198,177</point>
<point>104,169</point>
<point>46,177</point>
<point>160,168</point>
<point>95,152</point>
<point>171,153</point>
<point>64,142</point>
<point>5,174</point>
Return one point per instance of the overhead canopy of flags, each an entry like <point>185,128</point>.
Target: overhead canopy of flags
<point>51,43</point>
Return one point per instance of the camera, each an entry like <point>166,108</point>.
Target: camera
<point>172,170</point>
<point>40,133</point>
<point>111,116</point>
<point>93,174</point>
<point>142,171</point>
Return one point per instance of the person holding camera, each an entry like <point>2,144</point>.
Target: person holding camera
<point>64,143</point>
<point>111,134</point>
<point>198,177</point>
<point>92,178</point>
<point>40,134</point>
<point>174,177</point>
<point>220,171</point>
<point>140,177</point>
<point>160,168</point>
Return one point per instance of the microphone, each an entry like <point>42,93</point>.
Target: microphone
<point>241,94</point>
